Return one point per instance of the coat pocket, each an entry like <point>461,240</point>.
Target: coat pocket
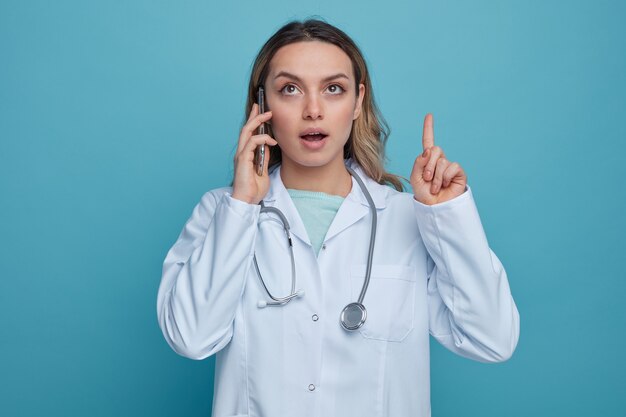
<point>389,300</point>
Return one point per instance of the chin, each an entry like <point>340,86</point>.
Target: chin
<point>313,161</point>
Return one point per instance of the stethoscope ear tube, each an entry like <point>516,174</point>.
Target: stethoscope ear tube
<point>279,301</point>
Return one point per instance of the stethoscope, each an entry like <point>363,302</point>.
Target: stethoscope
<point>354,314</point>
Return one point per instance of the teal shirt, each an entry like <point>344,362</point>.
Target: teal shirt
<point>317,211</point>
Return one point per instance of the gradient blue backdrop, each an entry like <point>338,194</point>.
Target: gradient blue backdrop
<point>116,116</point>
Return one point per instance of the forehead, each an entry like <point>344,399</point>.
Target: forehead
<point>312,59</point>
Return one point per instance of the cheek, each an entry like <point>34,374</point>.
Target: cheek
<point>343,109</point>
<point>282,120</point>
<point>280,124</point>
<point>344,115</point>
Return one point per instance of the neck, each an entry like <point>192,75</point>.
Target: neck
<point>331,179</point>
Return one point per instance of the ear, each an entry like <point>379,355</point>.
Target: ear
<point>359,102</point>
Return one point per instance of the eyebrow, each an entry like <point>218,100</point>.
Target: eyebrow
<point>295,77</point>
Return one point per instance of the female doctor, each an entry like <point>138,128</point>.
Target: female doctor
<point>318,283</point>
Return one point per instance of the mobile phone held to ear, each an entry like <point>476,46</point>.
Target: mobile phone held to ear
<point>259,156</point>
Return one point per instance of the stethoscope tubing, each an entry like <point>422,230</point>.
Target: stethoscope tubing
<point>370,253</point>
<point>278,301</point>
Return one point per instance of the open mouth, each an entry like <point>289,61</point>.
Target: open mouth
<point>313,137</point>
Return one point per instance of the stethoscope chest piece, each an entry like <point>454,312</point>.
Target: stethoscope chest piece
<point>353,316</point>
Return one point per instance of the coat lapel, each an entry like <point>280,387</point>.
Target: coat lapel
<point>278,197</point>
<point>356,206</point>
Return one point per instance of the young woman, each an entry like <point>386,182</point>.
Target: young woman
<point>318,283</point>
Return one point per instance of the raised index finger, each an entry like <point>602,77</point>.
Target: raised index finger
<point>428,137</point>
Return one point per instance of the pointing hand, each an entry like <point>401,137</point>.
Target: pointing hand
<point>435,179</point>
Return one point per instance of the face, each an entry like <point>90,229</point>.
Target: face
<point>310,88</point>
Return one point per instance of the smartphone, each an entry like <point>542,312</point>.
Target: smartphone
<point>259,156</point>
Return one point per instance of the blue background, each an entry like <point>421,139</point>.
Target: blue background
<point>116,116</point>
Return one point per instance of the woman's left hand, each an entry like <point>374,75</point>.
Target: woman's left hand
<point>435,179</point>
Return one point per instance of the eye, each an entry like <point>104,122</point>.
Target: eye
<point>288,90</point>
<point>335,89</point>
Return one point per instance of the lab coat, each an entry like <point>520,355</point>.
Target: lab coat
<point>433,273</point>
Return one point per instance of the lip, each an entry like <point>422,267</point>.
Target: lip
<point>311,130</point>
<point>313,145</point>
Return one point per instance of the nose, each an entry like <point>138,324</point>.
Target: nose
<point>312,108</point>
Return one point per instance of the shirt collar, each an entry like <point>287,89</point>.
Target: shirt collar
<point>379,192</point>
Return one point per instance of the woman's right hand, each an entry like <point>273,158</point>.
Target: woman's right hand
<point>248,186</point>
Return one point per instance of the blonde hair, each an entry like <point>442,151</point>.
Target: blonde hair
<point>369,134</point>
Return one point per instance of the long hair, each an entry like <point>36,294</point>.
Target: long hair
<point>366,144</point>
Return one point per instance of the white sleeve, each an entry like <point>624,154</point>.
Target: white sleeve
<point>204,275</point>
<point>472,312</point>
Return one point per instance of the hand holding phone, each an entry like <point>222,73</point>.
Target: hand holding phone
<point>249,183</point>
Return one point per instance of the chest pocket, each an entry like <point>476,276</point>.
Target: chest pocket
<point>389,300</point>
